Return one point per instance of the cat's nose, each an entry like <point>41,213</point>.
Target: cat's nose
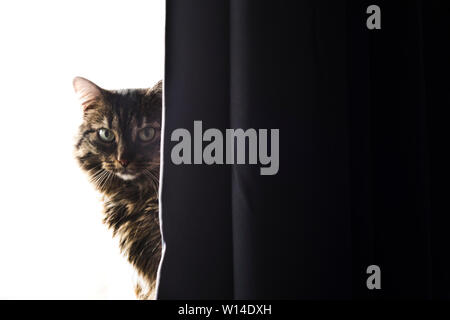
<point>124,162</point>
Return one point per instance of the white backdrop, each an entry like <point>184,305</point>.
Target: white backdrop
<point>52,240</point>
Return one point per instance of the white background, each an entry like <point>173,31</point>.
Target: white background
<point>52,240</point>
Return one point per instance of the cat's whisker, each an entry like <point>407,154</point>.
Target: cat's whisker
<point>154,163</point>
<point>99,178</point>
<point>109,179</point>
<point>104,176</point>
<point>96,179</point>
<point>153,178</point>
<point>96,174</point>
<point>156,177</point>
<point>105,183</point>
<point>100,181</point>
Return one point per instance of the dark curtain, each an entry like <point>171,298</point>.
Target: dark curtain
<point>362,150</point>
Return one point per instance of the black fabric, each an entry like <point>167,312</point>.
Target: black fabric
<point>362,137</point>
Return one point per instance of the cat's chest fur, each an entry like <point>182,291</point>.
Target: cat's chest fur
<point>132,214</point>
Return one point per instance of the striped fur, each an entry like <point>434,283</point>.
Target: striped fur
<point>130,194</point>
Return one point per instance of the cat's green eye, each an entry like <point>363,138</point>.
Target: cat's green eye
<point>106,135</point>
<point>146,134</point>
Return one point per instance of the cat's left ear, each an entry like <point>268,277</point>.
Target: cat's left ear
<point>88,92</point>
<point>155,93</point>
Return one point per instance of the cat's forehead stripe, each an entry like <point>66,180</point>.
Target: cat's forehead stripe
<point>114,122</point>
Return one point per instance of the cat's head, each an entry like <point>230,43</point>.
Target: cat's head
<point>119,139</point>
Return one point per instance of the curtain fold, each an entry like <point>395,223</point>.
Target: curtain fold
<point>196,200</point>
<point>358,112</point>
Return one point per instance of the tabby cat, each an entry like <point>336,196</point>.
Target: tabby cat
<point>118,146</point>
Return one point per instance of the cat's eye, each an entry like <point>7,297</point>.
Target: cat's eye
<point>146,134</point>
<point>106,135</point>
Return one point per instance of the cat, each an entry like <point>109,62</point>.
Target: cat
<point>118,146</point>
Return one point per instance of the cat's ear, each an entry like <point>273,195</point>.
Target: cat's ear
<point>88,92</point>
<point>155,93</point>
